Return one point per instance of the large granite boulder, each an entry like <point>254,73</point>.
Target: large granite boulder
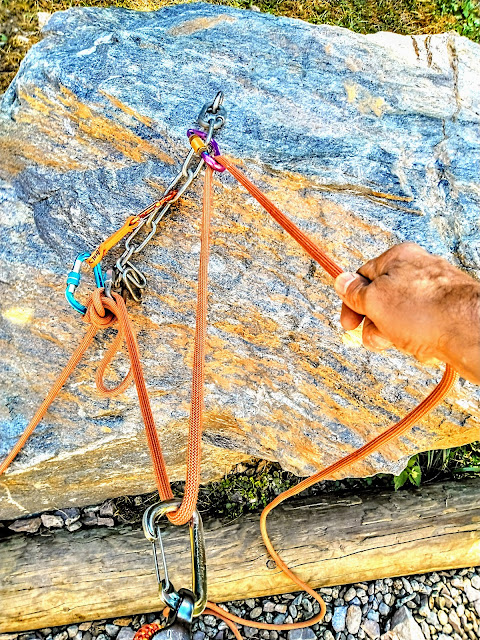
<point>364,140</point>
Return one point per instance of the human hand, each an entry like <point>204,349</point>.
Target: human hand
<point>417,302</point>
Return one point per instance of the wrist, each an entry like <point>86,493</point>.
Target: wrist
<point>461,345</point>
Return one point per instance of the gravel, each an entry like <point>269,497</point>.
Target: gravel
<point>443,605</point>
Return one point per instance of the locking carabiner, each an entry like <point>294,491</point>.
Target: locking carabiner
<point>168,593</point>
<point>73,280</point>
<point>197,141</point>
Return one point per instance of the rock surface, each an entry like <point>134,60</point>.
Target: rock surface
<point>364,140</point>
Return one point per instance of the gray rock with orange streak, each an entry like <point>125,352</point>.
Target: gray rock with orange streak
<point>364,141</point>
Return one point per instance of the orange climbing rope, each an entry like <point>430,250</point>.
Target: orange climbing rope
<point>103,311</point>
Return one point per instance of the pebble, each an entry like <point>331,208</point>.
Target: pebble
<point>383,609</point>
<point>442,617</point>
<point>51,522</point>
<point>105,522</point>
<point>125,633</point>
<point>339,618</point>
<point>27,525</point>
<point>107,509</point>
<point>301,634</point>
<point>476,581</point>
<point>371,628</point>
<point>350,594</point>
<point>353,619</point>
<point>255,613</point>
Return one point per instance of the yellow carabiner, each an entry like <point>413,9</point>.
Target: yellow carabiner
<point>130,224</point>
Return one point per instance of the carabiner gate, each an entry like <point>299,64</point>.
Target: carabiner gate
<point>73,280</point>
<point>151,529</point>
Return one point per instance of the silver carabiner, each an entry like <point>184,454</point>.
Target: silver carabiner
<point>153,533</point>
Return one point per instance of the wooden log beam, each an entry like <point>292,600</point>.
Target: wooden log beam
<point>98,573</point>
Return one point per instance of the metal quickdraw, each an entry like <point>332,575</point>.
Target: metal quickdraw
<point>127,276</point>
<point>184,604</point>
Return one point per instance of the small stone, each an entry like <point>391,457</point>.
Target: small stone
<point>476,581</point>
<point>107,509</point>
<point>72,631</point>
<point>458,583</point>
<point>460,610</point>
<point>112,629</point>
<point>105,522</point>
<point>371,628</point>
<point>281,608</point>
<point>388,599</point>
<point>383,609</point>
<point>443,636</point>
<point>373,615</point>
<point>307,606</point>
<point>269,606</point>
<point>87,635</point>
<point>442,617</point>
<point>251,603</point>
<point>28,525</point>
<point>301,634</point>
<point>198,635</point>
<point>471,593</point>
<point>89,520</point>
<point>292,609</point>
<point>407,599</point>
<point>350,594</point>
<point>353,619</point>
<point>255,613</point>
<point>407,586</point>
<point>75,526</point>
<point>405,627</point>
<point>279,619</point>
<point>125,633</point>
<point>432,618</point>
<point>328,635</point>
<point>51,522</point>
<point>70,514</point>
<point>425,629</point>
<point>454,621</point>
<point>63,635</point>
<point>122,622</point>
<point>84,626</point>
<point>339,618</point>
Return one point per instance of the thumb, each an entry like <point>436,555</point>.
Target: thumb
<point>352,287</point>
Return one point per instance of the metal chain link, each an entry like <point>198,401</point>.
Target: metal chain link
<point>128,276</point>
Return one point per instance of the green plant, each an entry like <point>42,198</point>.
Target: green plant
<point>467,15</point>
<point>412,473</point>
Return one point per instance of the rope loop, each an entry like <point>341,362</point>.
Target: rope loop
<point>100,312</point>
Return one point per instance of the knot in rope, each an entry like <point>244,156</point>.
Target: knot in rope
<point>100,311</point>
